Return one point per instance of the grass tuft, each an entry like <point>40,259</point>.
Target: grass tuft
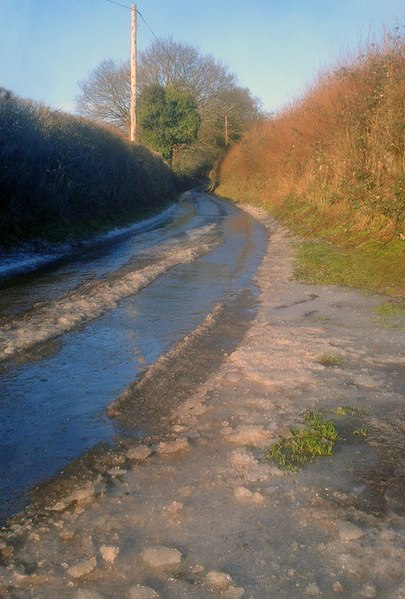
<point>348,411</point>
<point>316,439</point>
<point>330,360</point>
<point>361,432</point>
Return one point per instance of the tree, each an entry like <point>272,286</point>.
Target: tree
<point>105,96</point>
<point>168,119</point>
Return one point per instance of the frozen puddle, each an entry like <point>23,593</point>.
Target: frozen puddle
<point>90,300</point>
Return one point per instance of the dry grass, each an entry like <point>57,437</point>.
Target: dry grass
<point>337,155</point>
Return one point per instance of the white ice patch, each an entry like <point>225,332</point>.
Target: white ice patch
<point>26,259</point>
<point>90,300</point>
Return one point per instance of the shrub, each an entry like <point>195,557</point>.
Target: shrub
<point>338,154</point>
<point>62,175</point>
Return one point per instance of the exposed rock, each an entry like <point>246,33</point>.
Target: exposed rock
<point>168,447</point>
<point>82,568</point>
<point>164,558</point>
<point>140,453</point>
<point>140,592</point>
<point>109,553</point>
<point>218,581</point>
<point>349,531</point>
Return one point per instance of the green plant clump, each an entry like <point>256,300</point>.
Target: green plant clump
<point>361,432</point>
<point>304,445</point>
<point>330,360</point>
<point>349,411</point>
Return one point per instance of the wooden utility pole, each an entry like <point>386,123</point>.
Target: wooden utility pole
<point>133,131</point>
<point>226,130</point>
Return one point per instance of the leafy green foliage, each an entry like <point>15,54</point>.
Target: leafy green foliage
<point>168,119</point>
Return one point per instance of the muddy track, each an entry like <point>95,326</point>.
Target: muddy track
<point>200,513</point>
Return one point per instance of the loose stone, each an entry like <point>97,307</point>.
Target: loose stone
<point>218,581</point>
<point>82,568</point>
<point>161,557</point>
<point>168,447</point>
<point>109,553</point>
<point>243,495</point>
<point>234,593</point>
<point>349,531</point>
<point>140,592</point>
<point>87,594</point>
<point>140,453</point>
<point>313,590</point>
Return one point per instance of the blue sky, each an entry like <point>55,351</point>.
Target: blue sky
<point>274,46</point>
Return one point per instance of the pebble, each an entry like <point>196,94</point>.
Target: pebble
<point>338,587</point>
<point>161,557</point>
<point>84,495</point>
<point>140,592</point>
<point>140,453</point>
<point>313,590</point>
<point>198,569</point>
<point>174,508</point>
<point>218,581</point>
<point>87,594</point>
<point>349,531</point>
<point>109,553</point>
<point>368,590</point>
<point>168,447</point>
<point>82,568</point>
<point>234,593</point>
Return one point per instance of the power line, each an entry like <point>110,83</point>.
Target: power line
<point>118,4</point>
<point>147,25</point>
<point>139,13</point>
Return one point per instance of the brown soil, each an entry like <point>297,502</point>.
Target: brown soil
<point>200,513</point>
